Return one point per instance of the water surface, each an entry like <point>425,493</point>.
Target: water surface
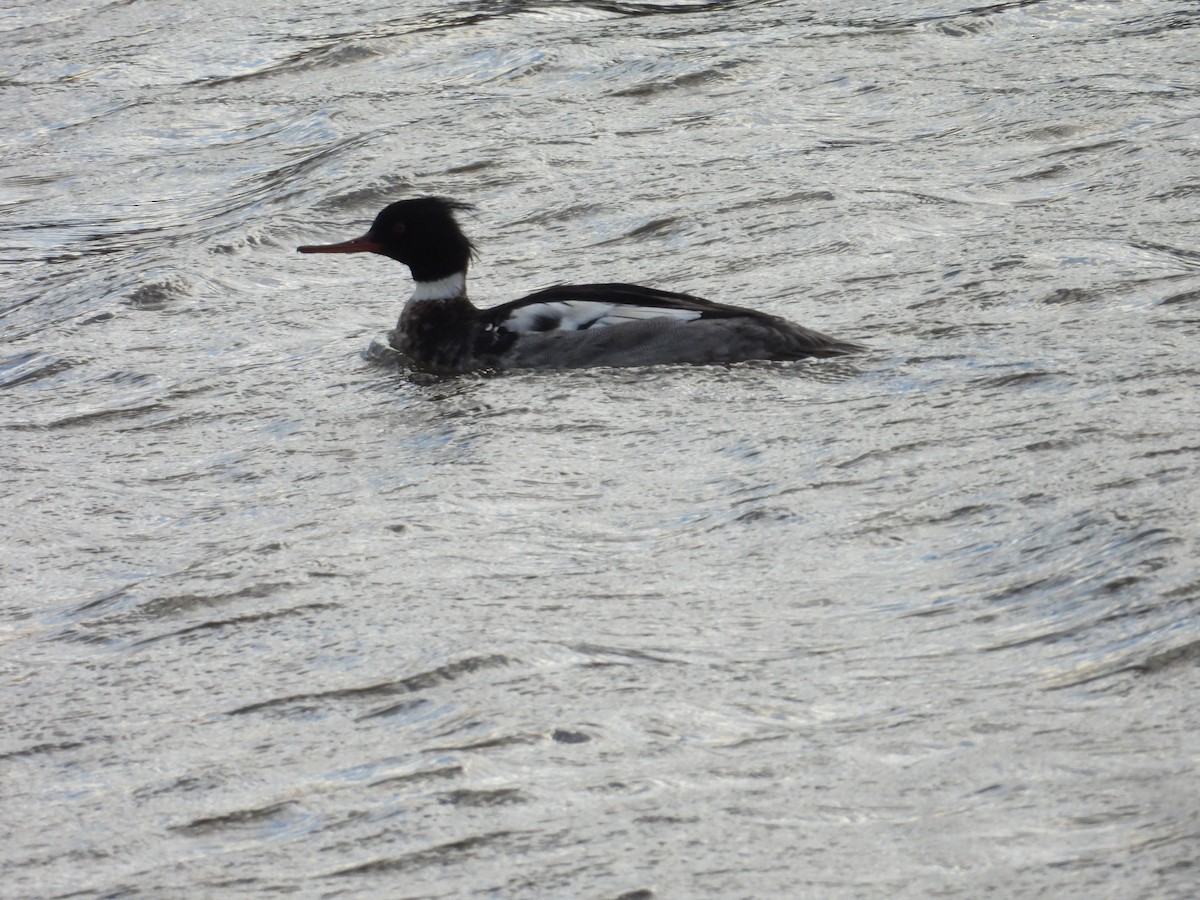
<point>279,619</point>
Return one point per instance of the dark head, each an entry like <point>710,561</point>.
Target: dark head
<point>420,233</point>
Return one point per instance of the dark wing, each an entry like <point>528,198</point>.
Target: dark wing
<point>578,307</point>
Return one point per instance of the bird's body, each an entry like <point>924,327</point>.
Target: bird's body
<point>563,327</point>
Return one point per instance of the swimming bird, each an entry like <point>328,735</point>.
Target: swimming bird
<point>563,327</point>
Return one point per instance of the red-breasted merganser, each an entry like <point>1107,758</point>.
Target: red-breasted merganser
<point>563,327</point>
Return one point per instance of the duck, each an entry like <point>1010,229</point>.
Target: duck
<point>567,326</point>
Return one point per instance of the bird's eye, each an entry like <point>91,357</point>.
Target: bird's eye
<point>398,228</point>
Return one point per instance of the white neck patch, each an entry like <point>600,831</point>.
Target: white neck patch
<point>443,289</point>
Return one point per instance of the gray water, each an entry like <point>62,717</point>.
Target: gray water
<point>278,619</point>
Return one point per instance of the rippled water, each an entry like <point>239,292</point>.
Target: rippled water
<point>278,619</point>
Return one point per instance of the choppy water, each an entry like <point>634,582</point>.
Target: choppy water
<point>277,619</point>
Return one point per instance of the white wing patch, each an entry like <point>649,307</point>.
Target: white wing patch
<point>576,315</point>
